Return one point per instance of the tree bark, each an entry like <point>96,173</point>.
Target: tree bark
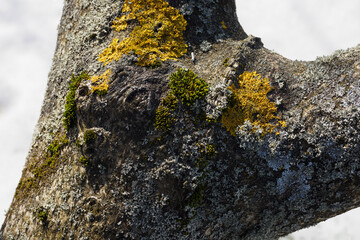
<point>114,175</point>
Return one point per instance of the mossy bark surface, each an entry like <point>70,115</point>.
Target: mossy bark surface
<point>192,179</point>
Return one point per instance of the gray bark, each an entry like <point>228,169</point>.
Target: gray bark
<point>142,183</point>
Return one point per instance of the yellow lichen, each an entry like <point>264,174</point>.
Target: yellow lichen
<point>250,103</point>
<point>100,84</point>
<point>157,37</point>
<point>223,25</point>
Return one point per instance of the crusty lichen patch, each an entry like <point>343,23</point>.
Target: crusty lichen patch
<point>158,36</point>
<point>250,103</point>
<point>100,84</point>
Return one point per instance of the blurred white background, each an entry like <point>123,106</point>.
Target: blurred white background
<point>296,29</point>
<point>27,43</point>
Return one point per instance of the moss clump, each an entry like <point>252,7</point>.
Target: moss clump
<point>84,160</point>
<point>47,166</point>
<point>170,101</point>
<point>42,215</point>
<point>157,37</point>
<point>70,105</point>
<point>164,118</point>
<point>64,141</point>
<point>210,150</point>
<point>78,143</point>
<point>89,136</point>
<point>54,149</point>
<point>226,62</point>
<point>53,152</point>
<point>187,87</point>
<point>250,103</point>
<point>164,114</point>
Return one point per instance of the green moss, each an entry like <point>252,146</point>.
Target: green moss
<point>64,141</point>
<point>210,120</point>
<point>197,197</point>
<point>164,119</point>
<point>78,143</point>
<point>70,105</point>
<point>53,149</point>
<point>89,136</point>
<point>84,161</point>
<point>101,92</point>
<point>187,87</point>
<point>170,101</point>
<point>47,166</point>
<point>42,215</point>
<point>225,62</point>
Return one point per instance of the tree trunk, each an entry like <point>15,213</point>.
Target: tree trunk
<point>127,164</point>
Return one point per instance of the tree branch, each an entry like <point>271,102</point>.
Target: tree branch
<point>124,171</point>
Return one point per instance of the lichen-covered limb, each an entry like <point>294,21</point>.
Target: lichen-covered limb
<point>187,177</point>
<point>317,157</point>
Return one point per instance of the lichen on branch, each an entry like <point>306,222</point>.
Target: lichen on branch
<point>100,83</point>
<point>249,102</point>
<point>157,37</point>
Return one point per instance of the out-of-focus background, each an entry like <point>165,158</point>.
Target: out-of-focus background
<point>296,29</point>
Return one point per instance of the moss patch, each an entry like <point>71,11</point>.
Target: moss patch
<point>69,120</point>
<point>164,118</point>
<point>89,136</point>
<point>45,168</point>
<point>188,87</point>
<point>42,215</point>
<point>84,161</point>
<point>226,62</point>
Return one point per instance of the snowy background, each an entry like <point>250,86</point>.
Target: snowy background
<point>295,29</point>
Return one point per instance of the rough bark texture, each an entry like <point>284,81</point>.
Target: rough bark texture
<point>143,183</point>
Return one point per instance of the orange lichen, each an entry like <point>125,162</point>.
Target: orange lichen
<point>100,84</point>
<point>250,103</point>
<point>157,37</point>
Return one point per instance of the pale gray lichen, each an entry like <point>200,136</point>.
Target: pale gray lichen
<point>216,100</point>
<point>352,97</point>
<point>205,46</point>
<point>187,9</point>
